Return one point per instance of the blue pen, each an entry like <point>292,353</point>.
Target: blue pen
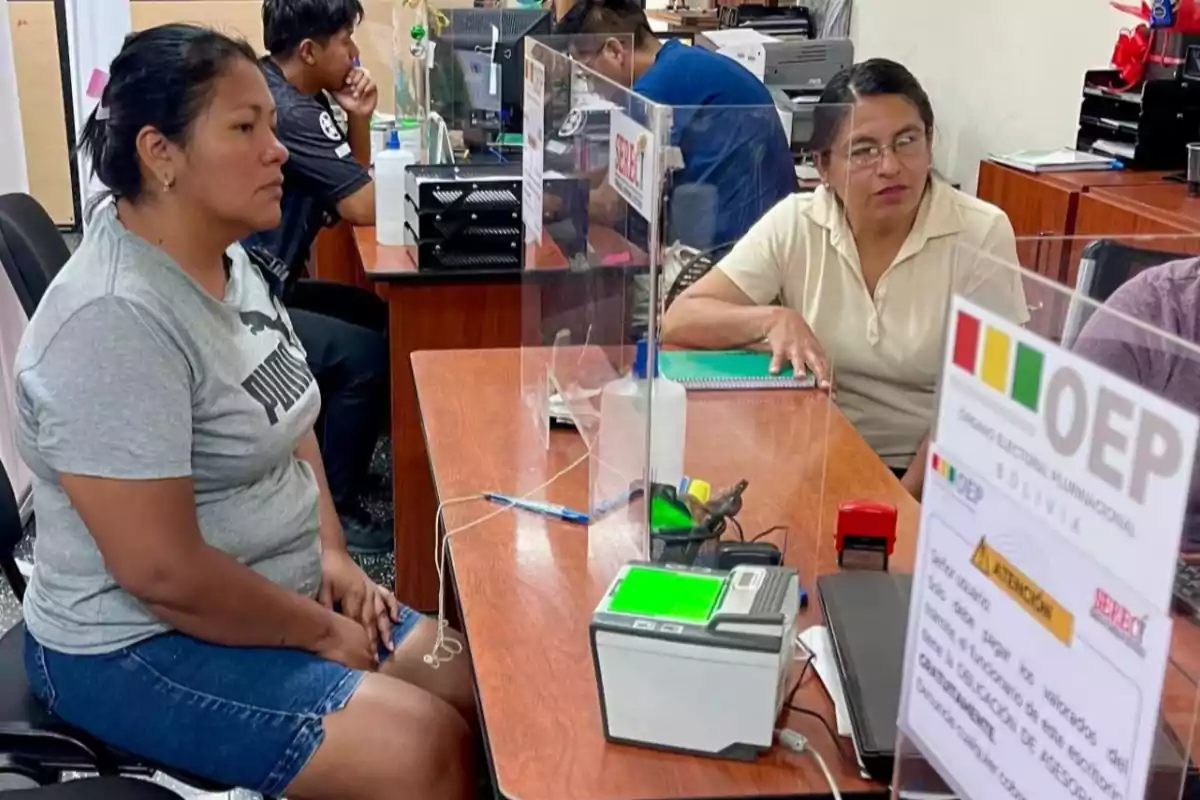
<point>537,507</point>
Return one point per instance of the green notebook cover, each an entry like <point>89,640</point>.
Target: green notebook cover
<point>727,369</point>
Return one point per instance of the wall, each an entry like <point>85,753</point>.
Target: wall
<point>12,317</point>
<point>1002,75</point>
<point>13,174</point>
<point>39,85</point>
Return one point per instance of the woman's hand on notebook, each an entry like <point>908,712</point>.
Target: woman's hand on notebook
<point>791,341</point>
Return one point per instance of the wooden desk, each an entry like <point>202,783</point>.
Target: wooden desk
<point>526,586</point>
<point>691,21</point>
<point>1146,212</point>
<point>1047,205</point>
<point>433,311</point>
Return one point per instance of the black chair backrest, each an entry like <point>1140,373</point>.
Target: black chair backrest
<point>1103,267</point>
<point>11,532</point>
<point>31,248</point>
<point>1114,263</point>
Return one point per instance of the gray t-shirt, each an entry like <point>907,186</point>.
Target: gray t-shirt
<point>130,370</point>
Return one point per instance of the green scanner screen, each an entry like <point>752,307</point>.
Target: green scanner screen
<point>649,592</point>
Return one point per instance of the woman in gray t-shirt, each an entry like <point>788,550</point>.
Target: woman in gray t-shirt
<point>192,601</point>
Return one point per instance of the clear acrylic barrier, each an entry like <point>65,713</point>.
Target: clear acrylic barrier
<point>1046,555</point>
<point>728,167</point>
<point>578,333</point>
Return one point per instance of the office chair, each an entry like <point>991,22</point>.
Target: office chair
<point>95,789</point>
<point>34,743</point>
<point>695,267</point>
<point>31,247</point>
<point>1104,266</point>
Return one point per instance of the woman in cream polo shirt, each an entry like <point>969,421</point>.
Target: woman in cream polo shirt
<point>863,268</point>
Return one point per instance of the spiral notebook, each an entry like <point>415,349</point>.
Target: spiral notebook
<point>727,369</point>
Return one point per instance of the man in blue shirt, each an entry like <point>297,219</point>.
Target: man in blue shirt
<point>737,159</point>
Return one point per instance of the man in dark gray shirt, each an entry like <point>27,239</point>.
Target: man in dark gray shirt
<point>343,328</point>
<point>1167,298</point>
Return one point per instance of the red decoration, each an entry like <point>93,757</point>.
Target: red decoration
<point>1131,53</point>
<point>1152,44</point>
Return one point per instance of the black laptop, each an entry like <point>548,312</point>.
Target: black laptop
<point>867,616</point>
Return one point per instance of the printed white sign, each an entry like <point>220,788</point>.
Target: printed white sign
<point>1035,655</point>
<point>1095,458</point>
<point>633,164</point>
<point>533,148</point>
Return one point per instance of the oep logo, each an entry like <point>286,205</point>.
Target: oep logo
<point>1100,427</point>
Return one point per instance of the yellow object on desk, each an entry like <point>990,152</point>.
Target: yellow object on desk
<point>701,490</point>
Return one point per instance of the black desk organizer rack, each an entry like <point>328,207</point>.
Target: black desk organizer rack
<point>1157,119</point>
<point>468,217</point>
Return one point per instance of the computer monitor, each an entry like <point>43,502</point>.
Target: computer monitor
<point>467,93</point>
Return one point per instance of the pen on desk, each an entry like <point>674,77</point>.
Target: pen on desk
<point>538,507</point>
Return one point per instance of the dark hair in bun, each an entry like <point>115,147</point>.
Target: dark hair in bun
<point>163,78</point>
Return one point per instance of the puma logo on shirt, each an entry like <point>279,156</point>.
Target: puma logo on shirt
<point>258,322</point>
<point>278,382</point>
<point>282,378</point>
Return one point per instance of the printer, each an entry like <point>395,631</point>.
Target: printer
<point>693,659</point>
<point>795,71</point>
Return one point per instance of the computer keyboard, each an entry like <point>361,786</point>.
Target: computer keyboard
<point>1187,589</point>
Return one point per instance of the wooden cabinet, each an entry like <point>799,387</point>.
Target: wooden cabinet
<point>1036,207</point>
<point>1153,217</point>
<point>1044,208</point>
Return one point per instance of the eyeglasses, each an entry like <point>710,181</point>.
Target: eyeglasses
<point>904,147</point>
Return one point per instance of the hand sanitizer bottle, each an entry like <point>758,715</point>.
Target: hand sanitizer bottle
<point>668,422</point>
<point>389,191</point>
<point>625,405</point>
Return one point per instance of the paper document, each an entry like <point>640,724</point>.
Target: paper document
<point>1062,160</point>
<point>816,639</point>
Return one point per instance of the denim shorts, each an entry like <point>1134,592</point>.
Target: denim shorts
<point>239,716</point>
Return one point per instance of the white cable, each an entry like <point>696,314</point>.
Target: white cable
<point>833,787</point>
<point>798,743</point>
<point>446,649</point>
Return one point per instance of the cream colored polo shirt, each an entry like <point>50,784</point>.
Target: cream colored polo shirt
<point>885,350</point>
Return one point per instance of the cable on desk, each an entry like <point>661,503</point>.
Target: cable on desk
<point>769,531</point>
<point>799,681</point>
<point>837,740</point>
<point>444,649</point>
<point>798,743</point>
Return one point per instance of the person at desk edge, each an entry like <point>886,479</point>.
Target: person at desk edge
<point>1167,298</point>
<point>192,601</point>
<point>863,267</point>
<point>343,328</point>
<point>735,145</point>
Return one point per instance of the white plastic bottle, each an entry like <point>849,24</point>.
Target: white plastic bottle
<point>389,191</point>
<point>621,449</point>
<point>668,425</point>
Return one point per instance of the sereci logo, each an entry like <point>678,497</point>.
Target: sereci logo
<point>1127,627</point>
<point>631,160</point>
<point>1126,444</point>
